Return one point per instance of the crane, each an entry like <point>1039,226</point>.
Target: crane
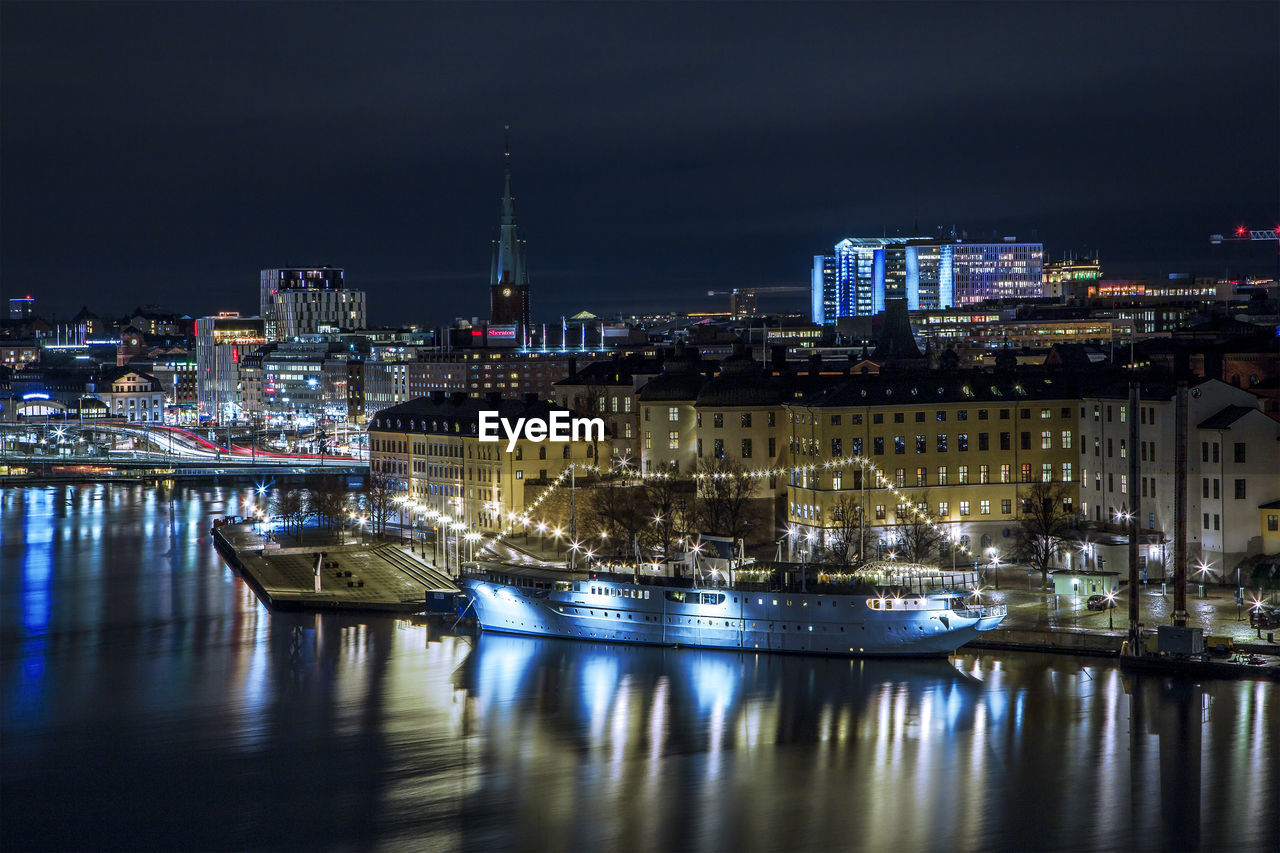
<point>742,300</point>
<point>1242,234</point>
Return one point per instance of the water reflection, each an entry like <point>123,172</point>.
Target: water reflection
<point>149,700</point>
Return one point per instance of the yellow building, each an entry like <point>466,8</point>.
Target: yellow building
<point>668,420</point>
<point>433,450</point>
<point>962,447</point>
<point>1269,523</point>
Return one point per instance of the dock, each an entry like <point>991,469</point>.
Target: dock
<point>377,577</point>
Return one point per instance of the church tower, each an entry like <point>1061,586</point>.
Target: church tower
<point>508,278</point>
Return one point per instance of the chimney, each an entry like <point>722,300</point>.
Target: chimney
<point>778,355</point>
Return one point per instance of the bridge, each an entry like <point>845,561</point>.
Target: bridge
<point>76,449</point>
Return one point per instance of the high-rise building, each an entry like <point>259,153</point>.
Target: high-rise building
<point>221,342</point>
<point>980,271</point>
<point>296,301</point>
<point>508,276</point>
<point>856,280</point>
<point>1070,277</point>
<point>22,307</point>
<point>928,273</point>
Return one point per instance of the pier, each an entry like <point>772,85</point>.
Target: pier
<point>378,577</point>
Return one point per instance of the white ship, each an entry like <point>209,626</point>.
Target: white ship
<point>776,614</point>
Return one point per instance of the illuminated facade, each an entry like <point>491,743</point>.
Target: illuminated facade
<point>929,274</point>
<point>130,394</point>
<point>22,307</point>
<point>430,448</point>
<point>296,301</point>
<point>1066,278</point>
<point>976,272</point>
<point>963,448</point>
<point>221,342</point>
<point>481,371</point>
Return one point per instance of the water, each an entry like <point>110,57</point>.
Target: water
<point>149,700</point>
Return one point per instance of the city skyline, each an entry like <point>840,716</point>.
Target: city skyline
<point>656,155</point>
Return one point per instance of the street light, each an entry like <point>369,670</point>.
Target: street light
<point>1110,599</point>
<point>1202,569</point>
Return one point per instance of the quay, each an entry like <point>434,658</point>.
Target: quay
<point>377,577</point>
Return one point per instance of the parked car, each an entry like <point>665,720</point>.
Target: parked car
<point>1099,601</point>
<point>1264,617</point>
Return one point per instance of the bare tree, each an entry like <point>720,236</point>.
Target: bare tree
<point>291,507</point>
<point>380,492</point>
<point>666,504</point>
<point>1044,520</point>
<point>618,510</point>
<point>844,537</point>
<point>917,536</point>
<point>328,498</point>
<point>723,491</point>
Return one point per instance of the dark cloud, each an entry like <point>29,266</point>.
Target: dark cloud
<point>166,152</point>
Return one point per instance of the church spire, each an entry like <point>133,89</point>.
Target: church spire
<point>508,276</point>
<point>508,263</point>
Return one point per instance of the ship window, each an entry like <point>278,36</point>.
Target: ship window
<point>673,595</point>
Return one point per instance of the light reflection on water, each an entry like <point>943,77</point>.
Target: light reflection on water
<point>149,700</point>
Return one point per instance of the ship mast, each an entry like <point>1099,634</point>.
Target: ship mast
<point>573,517</point>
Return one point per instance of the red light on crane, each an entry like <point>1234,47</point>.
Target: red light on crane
<point>1241,230</point>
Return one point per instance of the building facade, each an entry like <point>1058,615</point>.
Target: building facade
<point>221,341</point>
<point>929,274</point>
<point>1231,471</point>
<point>961,447</point>
<point>130,394</point>
<point>296,301</point>
<point>430,449</point>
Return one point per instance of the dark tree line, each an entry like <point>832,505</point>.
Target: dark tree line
<point>330,503</point>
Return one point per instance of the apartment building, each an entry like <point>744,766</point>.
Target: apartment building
<point>1232,471</point>
<point>431,448</point>
<point>962,447</point>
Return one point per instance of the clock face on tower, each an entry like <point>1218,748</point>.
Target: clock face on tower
<point>506,291</point>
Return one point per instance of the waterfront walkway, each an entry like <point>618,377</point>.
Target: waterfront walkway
<point>355,575</point>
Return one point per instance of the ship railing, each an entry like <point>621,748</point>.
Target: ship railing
<point>981,611</point>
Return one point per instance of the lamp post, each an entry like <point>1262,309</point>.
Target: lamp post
<point>1202,569</point>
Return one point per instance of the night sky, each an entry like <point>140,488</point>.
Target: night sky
<point>165,153</point>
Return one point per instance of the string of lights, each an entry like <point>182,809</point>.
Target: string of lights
<point>514,522</point>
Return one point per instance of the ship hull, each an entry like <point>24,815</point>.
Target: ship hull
<point>802,623</point>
